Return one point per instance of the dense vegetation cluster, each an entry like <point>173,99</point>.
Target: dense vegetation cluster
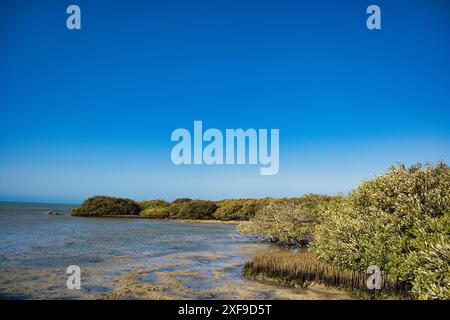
<point>289,221</point>
<point>399,221</point>
<point>239,209</point>
<point>225,210</point>
<point>102,206</point>
<point>182,208</point>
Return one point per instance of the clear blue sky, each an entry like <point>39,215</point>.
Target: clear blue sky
<point>91,111</point>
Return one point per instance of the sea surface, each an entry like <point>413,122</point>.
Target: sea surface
<point>127,258</point>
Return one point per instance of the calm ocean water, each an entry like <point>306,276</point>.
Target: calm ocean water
<point>181,260</point>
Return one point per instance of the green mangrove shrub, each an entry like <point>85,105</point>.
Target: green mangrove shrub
<point>398,221</point>
<point>286,221</point>
<point>238,209</point>
<point>194,209</point>
<point>156,212</point>
<point>103,205</point>
<point>157,203</point>
<point>157,209</point>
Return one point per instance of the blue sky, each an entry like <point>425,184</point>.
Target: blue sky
<point>91,111</point>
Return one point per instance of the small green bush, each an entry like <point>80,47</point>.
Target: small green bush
<point>286,221</point>
<point>195,209</point>
<point>158,203</point>
<point>103,205</point>
<point>156,212</point>
<point>238,209</point>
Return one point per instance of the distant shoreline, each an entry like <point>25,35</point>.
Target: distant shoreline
<point>206,221</point>
<point>40,203</point>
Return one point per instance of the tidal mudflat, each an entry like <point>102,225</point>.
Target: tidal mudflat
<point>128,259</point>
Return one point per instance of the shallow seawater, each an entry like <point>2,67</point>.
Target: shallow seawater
<point>127,258</point>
